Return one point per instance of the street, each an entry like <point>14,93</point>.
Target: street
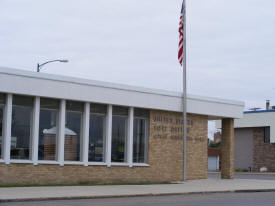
<point>245,176</point>
<point>218,199</point>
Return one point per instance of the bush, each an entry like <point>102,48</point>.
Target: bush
<point>240,170</point>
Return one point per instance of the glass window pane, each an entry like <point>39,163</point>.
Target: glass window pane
<point>140,142</point>
<point>21,127</point>
<point>141,113</point>
<point>74,106</point>
<point>73,131</point>
<point>96,137</point>
<point>48,128</point>
<point>19,100</point>
<point>267,134</point>
<point>119,131</point>
<point>120,111</point>
<point>49,103</point>
<point>2,98</point>
<point>2,102</point>
<point>98,108</point>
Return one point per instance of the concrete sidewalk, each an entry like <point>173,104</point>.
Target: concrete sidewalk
<point>80,192</point>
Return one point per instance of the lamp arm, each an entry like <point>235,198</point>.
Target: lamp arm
<point>40,65</point>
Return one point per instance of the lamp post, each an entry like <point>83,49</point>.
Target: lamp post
<point>57,60</point>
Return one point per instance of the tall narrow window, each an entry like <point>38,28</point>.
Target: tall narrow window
<point>22,107</point>
<point>266,134</point>
<point>97,132</point>
<point>2,104</point>
<point>73,130</point>
<point>140,136</point>
<point>48,129</point>
<point>119,134</point>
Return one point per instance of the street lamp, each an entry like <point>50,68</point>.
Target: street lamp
<point>57,60</point>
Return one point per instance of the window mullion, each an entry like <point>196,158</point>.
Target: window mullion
<point>130,130</point>
<point>85,137</point>
<point>7,128</point>
<point>61,132</point>
<point>109,135</point>
<point>35,130</point>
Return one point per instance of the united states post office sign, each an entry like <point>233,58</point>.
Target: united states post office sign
<point>169,127</point>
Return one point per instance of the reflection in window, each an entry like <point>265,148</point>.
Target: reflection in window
<point>97,132</point>
<point>21,127</point>
<point>119,134</point>
<point>2,102</point>
<point>48,129</point>
<point>73,132</point>
<point>140,136</point>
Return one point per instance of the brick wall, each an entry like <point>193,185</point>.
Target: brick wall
<point>263,153</point>
<point>227,149</point>
<point>165,158</point>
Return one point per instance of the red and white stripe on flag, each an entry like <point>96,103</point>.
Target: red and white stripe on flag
<point>181,35</point>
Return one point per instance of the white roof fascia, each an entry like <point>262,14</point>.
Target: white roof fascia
<point>62,87</point>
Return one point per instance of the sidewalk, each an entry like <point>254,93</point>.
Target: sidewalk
<point>80,192</point>
<point>245,173</point>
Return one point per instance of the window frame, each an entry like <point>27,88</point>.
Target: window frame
<point>81,134</point>
<point>267,134</point>
<point>104,136</point>
<point>125,142</point>
<point>146,141</point>
<point>29,160</point>
<point>57,133</point>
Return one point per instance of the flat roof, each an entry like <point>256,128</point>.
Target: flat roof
<point>19,81</point>
<point>259,111</point>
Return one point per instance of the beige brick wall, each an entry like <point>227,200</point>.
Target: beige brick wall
<point>164,156</point>
<point>227,149</point>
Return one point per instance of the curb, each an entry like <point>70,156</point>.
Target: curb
<point>134,195</point>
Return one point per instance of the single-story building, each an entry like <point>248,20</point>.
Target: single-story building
<point>255,140</point>
<point>57,129</point>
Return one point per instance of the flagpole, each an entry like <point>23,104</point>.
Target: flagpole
<point>184,94</point>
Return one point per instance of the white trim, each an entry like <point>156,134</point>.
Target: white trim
<point>61,132</point>
<point>123,164</point>
<point>141,165</point>
<point>47,162</point>
<point>97,164</point>
<point>2,161</point>
<point>73,163</point>
<point>86,127</point>
<point>7,128</point>
<point>108,151</point>
<point>130,131</point>
<point>21,161</point>
<point>35,129</point>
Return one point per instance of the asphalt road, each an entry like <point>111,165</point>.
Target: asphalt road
<point>218,199</point>
<point>245,176</point>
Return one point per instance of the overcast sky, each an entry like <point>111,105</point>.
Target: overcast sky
<point>231,44</point>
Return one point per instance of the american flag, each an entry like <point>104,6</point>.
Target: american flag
<point>181,34</point>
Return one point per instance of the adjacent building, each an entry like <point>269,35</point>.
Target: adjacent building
<point>255,140</point>
<point>57,129</point>
<point>214,152</point>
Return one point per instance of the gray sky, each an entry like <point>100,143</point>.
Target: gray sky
<point>231,44</point>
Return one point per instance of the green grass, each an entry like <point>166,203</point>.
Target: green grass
<point>81,184</point>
